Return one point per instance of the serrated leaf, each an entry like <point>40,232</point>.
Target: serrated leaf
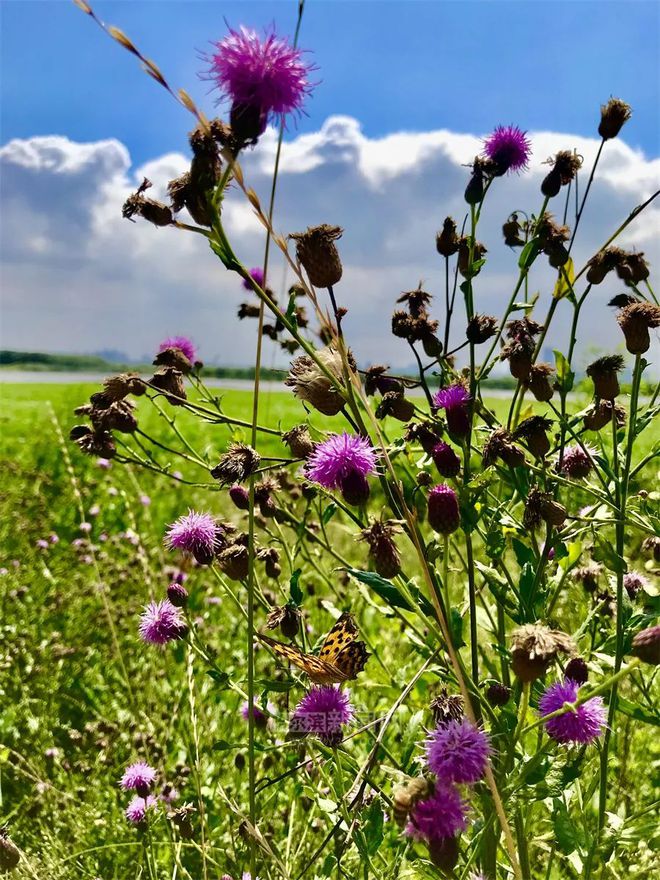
<point>383,588</point>
<point>636,712</point>
<point>294,590</point>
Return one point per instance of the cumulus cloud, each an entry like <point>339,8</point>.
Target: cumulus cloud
<point>78,277</point>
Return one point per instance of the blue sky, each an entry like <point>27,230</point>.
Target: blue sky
<point>394,66</point>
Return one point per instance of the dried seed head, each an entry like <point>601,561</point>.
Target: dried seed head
<point>603,373</point>
<point>376,380</point>
<point>541,507</point>
<point>613,117</point>
<point>299,441</point>
<point>567,164</point>
<point>116,417</point>
<point>534,647</point>
<point>646,645</point>
<point>248,310</point>
<point>604,262</point>
<point>417,300</point>
<point>173,357</point>
<point>588,576</point>
<point>446,241</point>
<point>9,853</point>
<point>427,434</point>
<point>478,251</point>
<point>446,707</point>
<point>481,328</point>
<point>170,382</point>
<point>396,405</point>
<point>651,545</point>
<point>311,385</point>
<point>271,557</point>
<point>534,432</point>
<point>287,617</point>
<point>539,383</point>
<point>500,445</point>
<point>600,414</point>
<point>233,561</point>
<point>118,387</point>
<point>636,320</point>
<point>181,817</point>
<point>636,268</point>
<point>236,465</point>
<point>404,326</point>
<point>317,252</point>
<point>91,442</point>
<point>382,549</point>
<point>153,211</point>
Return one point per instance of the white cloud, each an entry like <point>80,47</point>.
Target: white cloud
<point>78,277</point>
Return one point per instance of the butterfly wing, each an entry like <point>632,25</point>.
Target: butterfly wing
<point>317,669</point>
<point>351,660</point>
<point>343,633</point>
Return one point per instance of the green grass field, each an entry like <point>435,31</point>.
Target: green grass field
<point>82,696</point>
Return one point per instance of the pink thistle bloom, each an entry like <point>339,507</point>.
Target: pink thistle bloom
<point>441,815</point>
<point>509,148</point>
<point>43,544</point>
<point>103,463</point>
<point>257,275</point>
<point>169,794</point>
<point>267,74</point>
<point>323,711</point>
<point>161,623</point>
<point>635,582</point>
<point>576,461</point>
<point>138,776</point>
<point>581,725</point>
<point>54,538</point>
<point>194,533</point>
<point>145,501</point>
<point>455,400</point>
<point>136,811</point>
<point>185,345</point>
<point>85,527</point>
<point>458,752</point>
<point>94,510</point>
<point>338,457</point>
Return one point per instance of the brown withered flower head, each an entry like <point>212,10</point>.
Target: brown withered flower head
<point>600,414</point>
<point>236,465</point>
<point>311,385</point>
<point>551,236</point>
<point>233,561</point>
<point>181,818</point>
<point>500,445</point>
<point>621,300</point>
<point>520,349</point>
<point>248,310</point>
<point>539,382</point>
<point>317,252</point>
<point>646,645</point>
<point>118,387</point>
<point>173,357</point>
<point>478,252</point>
<point>287,617</point>
<point>116,417</point>
<point>602,263</point>
<point>170,382</point>
<point>603,373</point>
<point>533,431</point>
<point>651,545</point>
<point>446,707</point>
<point>299,441</point>
<point>427,434</point>
<point>93,442</point>
<point>375,379</point>
<point>636,320</point>
<point>541,507</point>
<point>153,211</point>
<point>613,117</point>
<point>512,232</point>
<point>394,404</point>
<point>481,328</point>
<point>446,241</point>
<point>382,548</point>
<point>417,301</point>
<point>588,575</point>
<point>270,556</point>
<point>565,165</point>
<point>534,647</point>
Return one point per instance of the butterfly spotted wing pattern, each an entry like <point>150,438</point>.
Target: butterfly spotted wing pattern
<point>341,658</point>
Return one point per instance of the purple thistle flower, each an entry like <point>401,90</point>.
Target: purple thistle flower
<point>581,725</point>
<point>161,623</point>
<point>509,148</point>
<point>257,275</point>
<point>104,463</point>
<point>43,544</point>
<point>139,776</point>
<point>323,711</point>
<point>342,462</point>
<point>136,811</point>
<point>455,400</point>
<point>444,514</point>
<point>458,752</point>
<point>185,345</point>
<point>169,794</point>
<point>194,533</point>
<point>576,462</point>
<point>634,582</point>
<point>267,74</point>
<point>441,815</point>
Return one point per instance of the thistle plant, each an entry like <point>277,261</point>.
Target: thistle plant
<point>487,557</point>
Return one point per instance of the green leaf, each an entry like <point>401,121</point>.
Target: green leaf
<point>565,376</point>
<point>636,712</point>
<point>220,678</point>
<point>565,280</point>
<point>294,590</point>
<point>456,627</point>
<point>527,578</point>
<point>565,829</point>
<point>383,588</point>
<point>277,686</point>
<point>604,552</point>
<point>223,746</point>
<point>328,513</point>
<point>528,253</point>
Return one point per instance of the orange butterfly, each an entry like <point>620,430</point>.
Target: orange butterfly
<point>340,659</point>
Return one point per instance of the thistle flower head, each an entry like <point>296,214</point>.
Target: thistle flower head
<point>264,73</point>
<point>161,623</point>
<point>453,397</point>
<point>194,533</point>
<point>580,725</point>
<point>185,345</point>
<point>634,582</point>
<point>257,275</point>
<point>136,811</point>
<point>441,815</point>
<point>323,711</point>
<point>509,148</point>
<point>138,776</point>
<point>457,751</point>
<point>443,511</point>
<point>576,461</point>
<point>646,645</point>
<point>338,457</point>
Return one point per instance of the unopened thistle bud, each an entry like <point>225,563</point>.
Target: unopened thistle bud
<point>443,512</point>
<point>534,647</point>
<point>481,328</point>
<point>646,645</point>
<point>382,549</point>
<point>474,191</point>
<point>534,432</point>
<point>240,496</point>
<point>446,460</point>
<point>577,670</point>
<point>565,166</point>
<point>498,694</point>
<point>170,382</point>
<point>427,434</point>
<point>236,465</point>
<point>538,382</point>
<point>446,242</point>
<point>636,320</point>
<point>443,852</point>
<point>178,595</point>
<point>603,374</point>
<point>396,405</point>
<point>613,117</point>
<point>355,488</point>
<point>317,252</point>
<point>299,441</point>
